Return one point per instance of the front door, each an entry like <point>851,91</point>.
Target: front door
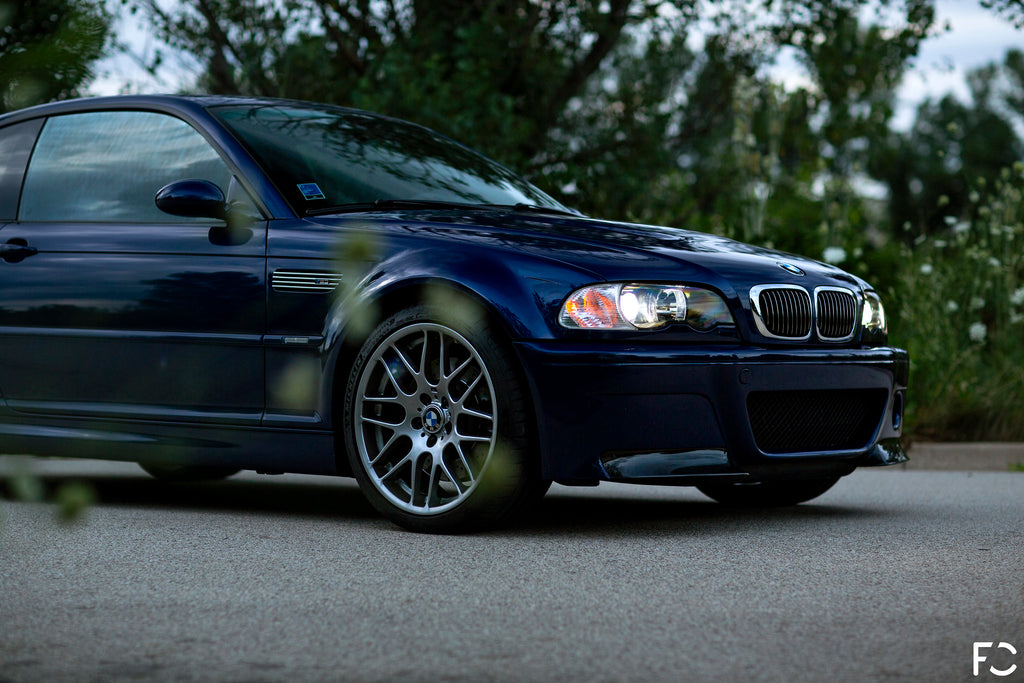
<point>123,311</point>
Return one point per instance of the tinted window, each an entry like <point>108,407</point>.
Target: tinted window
<point>108,166</point>
<point>15,146</point>
<point>326,156</point>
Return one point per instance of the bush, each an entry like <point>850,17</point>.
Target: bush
<point>960,298</point>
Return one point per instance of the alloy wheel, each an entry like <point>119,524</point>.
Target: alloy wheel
<point>426,418</point>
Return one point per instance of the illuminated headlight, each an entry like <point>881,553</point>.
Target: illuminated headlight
<point>630,307</point>
<point>873,317</point>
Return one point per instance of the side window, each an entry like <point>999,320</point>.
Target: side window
<point>108,166</point>
<point>15,146</point>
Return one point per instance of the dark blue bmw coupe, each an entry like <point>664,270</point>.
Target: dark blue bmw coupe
<point>208,284</point>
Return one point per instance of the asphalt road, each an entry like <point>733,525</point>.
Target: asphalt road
<point>892,575</point>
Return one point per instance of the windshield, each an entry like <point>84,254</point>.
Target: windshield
<point>321,157</point>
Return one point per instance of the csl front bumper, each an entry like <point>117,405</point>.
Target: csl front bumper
<point>685,414</point>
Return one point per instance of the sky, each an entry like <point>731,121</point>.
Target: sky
<point>976,37</point>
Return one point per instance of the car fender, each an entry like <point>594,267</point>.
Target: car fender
<point>521,293</point>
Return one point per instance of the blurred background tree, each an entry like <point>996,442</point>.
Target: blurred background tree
<point>601,101</point>
<point>930,170</point>
<point>48,47</point>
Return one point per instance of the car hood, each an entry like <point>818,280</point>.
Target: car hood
<point>614,251</point>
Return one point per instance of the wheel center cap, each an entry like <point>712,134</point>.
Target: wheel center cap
<point>434,418</point>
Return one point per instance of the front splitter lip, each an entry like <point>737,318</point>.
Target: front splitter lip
<point>701,465</point>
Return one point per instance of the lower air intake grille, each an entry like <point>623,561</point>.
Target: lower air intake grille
<point>815,421</point>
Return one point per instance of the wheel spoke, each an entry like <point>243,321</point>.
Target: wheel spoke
<point>397,466</point>
<point>447,473</point>
<point>423,354</point>
<point>414,481</point>
<point>384,448</point>
<point>467,392</point>
<point>475,413</point>
<point>432,496</point>
<point>381,423</point>
<point>456,371</point>
<point>440,358</point>
<point>465,462</point>
<point>394,380</point>
<point>475,439</point>
<point>385,399</point>
<point>405,361</point>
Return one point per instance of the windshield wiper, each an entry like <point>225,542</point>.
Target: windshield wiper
<point>536,208</point>
<point>384,204</point>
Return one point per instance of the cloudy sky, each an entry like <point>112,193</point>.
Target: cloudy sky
<point>976,37</point>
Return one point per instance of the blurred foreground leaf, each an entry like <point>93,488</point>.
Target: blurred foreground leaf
<point>72,500</point>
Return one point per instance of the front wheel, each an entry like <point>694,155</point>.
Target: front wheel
<point>768,493</point>
<point>437,424</point>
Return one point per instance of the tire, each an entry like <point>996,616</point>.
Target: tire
<point>768,493</point>
<point>437,430</point>
<point>185,473</point>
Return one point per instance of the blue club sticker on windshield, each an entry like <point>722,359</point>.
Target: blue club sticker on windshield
<point>310,191</point>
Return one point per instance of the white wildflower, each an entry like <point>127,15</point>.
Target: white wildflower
<point>950,220</point>
<point>952,306</point>
<point>834,255</point>
<point>940,244</point>
<point>926,269</point>
<point>977,303</point>
<point>1017,298</point>
<point>961,227</point>
<point>977,332</point>
<point>994,262</point>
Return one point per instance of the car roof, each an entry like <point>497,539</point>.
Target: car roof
<point>193,104</point>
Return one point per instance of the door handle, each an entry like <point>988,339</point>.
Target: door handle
<point>15,250</point>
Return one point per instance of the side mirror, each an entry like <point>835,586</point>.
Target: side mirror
<point>192,198</point>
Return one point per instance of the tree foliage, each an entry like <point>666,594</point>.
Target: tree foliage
<point>1012,10</point>
<point>615,105</point>
<point>47,48</point>
<point>931,170</point>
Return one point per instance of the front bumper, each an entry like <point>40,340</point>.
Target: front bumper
<point>682,414</point>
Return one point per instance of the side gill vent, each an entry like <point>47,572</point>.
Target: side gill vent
<point>306,281</point>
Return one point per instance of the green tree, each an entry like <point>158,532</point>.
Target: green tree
<point>856,70</point>
<point>1011,10</point>
<point>783,168</point>
<point>932,169</point>
<point>602,101</point>
<point>47,48</point>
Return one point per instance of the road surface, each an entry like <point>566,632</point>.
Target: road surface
<point>892,575</point>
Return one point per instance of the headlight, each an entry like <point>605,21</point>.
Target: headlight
<point>873,317</point>
<point>630,307</point>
